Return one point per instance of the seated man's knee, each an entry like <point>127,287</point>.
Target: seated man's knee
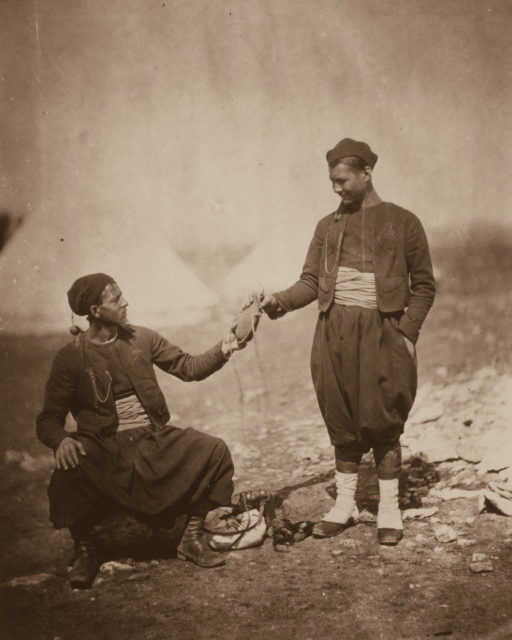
<point>220,447</point>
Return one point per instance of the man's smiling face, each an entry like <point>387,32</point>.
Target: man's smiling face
<point>349,183</point>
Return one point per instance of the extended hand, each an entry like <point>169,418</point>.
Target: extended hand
<point>244,325</point>
<point>257,294</point>
<point>230,344</point>
<point>267,300</point>
<point>66,456</point>
<point>271,306</point>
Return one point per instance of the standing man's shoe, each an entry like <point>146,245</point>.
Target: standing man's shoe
<point>389,519</point>
<point>85,566</point>
<point>344,513</point>
<point>389,537</point>
<point>328,529</point>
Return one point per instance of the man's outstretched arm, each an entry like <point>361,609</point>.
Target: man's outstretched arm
<point>172,359</point>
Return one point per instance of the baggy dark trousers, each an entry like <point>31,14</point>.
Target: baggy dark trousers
<point>150,473</point>
<point>364,376</point>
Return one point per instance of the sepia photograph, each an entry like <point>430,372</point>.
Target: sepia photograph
<point>255,327</point>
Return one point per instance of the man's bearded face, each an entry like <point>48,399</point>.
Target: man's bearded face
<point>112,308</point>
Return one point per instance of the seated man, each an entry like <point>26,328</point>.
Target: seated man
<point>124,453</point>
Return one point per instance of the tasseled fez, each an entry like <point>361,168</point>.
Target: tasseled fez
<point>87,291</point>
<point>349,147</point>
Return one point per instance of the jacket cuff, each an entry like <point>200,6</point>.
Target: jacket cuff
<point>54,440</point>
<point>225,356</point>
<point>409,328</point>
<point>219,354</point>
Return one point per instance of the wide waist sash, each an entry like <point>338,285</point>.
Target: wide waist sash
<point>131,413</point>
<point>355,288</point>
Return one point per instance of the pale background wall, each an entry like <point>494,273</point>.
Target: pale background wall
<point>212,118</point>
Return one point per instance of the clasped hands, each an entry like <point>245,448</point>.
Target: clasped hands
<point>244,326</point>
<point>267,302</point>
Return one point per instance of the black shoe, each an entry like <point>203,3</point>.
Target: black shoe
<point>326,529</point>
<point>389,537</point>
<point>85,567</point>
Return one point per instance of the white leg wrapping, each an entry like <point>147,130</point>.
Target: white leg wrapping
<point>388,516</point>
<point>345,506</point>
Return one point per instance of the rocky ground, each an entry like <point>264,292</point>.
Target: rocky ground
<point>451,576</point>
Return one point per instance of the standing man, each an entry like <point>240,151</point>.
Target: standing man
<point>124,453</point>
<point>369,266</point>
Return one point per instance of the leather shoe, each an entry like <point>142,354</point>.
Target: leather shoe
<point>85,567</point>
<point>326,529</point>
<point>389,537</point>
<point>197,551</point>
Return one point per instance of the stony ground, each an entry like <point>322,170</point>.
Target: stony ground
<point>451,576</point>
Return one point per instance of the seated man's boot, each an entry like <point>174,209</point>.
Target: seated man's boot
<point>85,566</point>
<point>193,546</point>
<point>344,513</point>
<point>389,519</point>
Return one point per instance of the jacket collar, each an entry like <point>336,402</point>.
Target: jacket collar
<point>371,199</point>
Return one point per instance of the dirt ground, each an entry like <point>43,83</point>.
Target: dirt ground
<point>263,405</point>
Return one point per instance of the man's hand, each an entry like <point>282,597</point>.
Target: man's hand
<point>66,456</point>
<point>271,306</point>
<point>267,303</point>
<point>230,344</point>
<point>267,300</point>
<point>257,294</point>
<point>244,325</point>
<point>410,346</point>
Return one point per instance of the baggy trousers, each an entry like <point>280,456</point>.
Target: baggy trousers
<point>364,376</point>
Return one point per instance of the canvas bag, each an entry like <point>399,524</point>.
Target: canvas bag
<point>228,529</point>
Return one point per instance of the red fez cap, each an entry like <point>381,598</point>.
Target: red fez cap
<point>87,291</point>
<point>349,147</point>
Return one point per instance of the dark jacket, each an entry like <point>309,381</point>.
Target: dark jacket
<point>78,369</point>
<point>402,265</point>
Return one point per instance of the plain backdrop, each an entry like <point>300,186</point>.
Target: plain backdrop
<point>207,122</point>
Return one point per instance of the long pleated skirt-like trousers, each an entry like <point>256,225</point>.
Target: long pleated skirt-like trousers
<point>148,472</point>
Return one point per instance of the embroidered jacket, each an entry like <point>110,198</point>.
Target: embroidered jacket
<point>403,269</point>
<point>79,382</point>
